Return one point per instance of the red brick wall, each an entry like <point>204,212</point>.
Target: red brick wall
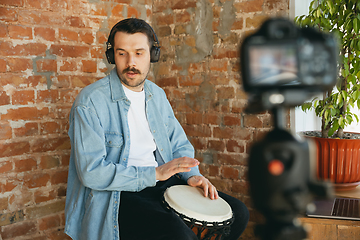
<point>199,70</point>
<point>51,49</point>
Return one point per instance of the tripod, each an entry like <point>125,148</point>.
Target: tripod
<point>281,181</point>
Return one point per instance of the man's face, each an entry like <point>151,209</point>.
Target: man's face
<point>132,59</point>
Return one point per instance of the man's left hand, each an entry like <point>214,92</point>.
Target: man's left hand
<point>205,184</point>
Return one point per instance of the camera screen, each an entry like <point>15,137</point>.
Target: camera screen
<point>273,65</point>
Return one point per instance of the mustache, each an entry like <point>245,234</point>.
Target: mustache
<point>131,69</point>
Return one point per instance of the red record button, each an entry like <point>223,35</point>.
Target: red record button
<point>276,167</point>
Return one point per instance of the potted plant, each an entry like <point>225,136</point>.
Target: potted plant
<point>342,18</point>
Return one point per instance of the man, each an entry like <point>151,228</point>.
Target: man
<point>127,147</point>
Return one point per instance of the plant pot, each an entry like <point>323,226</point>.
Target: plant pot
<point>338,160</point>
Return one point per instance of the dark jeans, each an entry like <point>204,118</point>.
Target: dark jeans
<point>143,216</point>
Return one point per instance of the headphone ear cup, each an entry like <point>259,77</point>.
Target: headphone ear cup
<point>154,54</point>
<point>110,55</point>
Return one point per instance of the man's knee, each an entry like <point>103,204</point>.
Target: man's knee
<point>183,233</point>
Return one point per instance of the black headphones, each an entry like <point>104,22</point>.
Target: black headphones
<point>154,51</point>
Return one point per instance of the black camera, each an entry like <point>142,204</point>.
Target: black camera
<point>285,65</point>
<point>282,66</point>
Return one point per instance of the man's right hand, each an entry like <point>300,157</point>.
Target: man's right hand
<point>177,165</point>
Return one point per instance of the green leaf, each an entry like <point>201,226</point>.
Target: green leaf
<point>331,7</point>
<point>339,99</point>
<point>306,106</point>
<point>344,94</point>
<point>326,114</point>
<point>333,128</point>
<point>357,119</point>
<point>356,94</point>
<point>316,103</point>
<point>349,120</point>
<point>341,122</point>
<point>355,25</point>
<point>307,22</point>
<point>349,26</point>
<point>333,111</point>
<point>327,121</point>
<point>336,125</point>
<point>351,103</point>
<point>351,78</point>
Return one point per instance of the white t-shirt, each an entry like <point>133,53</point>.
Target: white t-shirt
<point>142,144</point>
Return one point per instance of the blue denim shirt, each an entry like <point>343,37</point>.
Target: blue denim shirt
<point>100,144</point>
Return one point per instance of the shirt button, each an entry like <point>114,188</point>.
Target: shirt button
<point>124,159</point>
<point>114,226</point>
<point>110,142</point>
<point>153,131</point>
<point>162,149</point>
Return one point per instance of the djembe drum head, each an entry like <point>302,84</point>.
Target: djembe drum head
<point>209,219</point>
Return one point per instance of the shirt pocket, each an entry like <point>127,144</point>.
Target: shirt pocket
<point>114,140</point>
